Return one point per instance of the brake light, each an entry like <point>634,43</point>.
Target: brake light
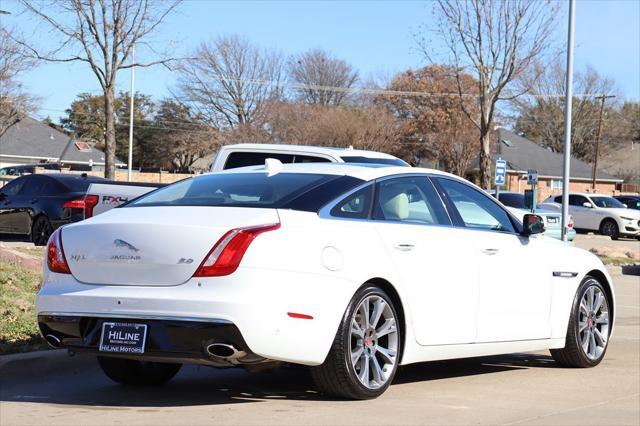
<point>225,256</point>
<point>90,201</point>
<point>55,254</point>
<point>74,204</point>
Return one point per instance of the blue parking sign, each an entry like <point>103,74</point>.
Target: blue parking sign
<point>501,172</point>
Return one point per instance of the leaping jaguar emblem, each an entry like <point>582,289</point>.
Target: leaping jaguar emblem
<point>123,243</point>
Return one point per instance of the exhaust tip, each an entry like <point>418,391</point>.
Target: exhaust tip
<point>53,340</point>
<point>223,350</point>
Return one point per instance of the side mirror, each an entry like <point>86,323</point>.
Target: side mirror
<point>532,224</point>
<point>587,204</point>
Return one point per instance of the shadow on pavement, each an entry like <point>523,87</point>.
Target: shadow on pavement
<point>197,385</point>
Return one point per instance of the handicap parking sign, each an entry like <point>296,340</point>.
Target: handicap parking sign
<point>501,172</point>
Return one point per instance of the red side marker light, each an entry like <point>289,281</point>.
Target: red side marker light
<point>299,316</point>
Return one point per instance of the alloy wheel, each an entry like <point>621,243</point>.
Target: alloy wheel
<point>593,322</point>
<point>374,341</point>
<point>609,229</point>
<point>41,231</point>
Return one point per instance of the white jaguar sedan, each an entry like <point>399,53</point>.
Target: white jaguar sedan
<point>350,269</point>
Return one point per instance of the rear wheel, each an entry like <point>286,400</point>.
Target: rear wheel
<point>41,231</point>
<point>609,227</point>
<point>366,350</point>
<point>588,329</point>
<point>132,372</point>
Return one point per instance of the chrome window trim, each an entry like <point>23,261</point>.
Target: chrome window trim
<point>134,316</point>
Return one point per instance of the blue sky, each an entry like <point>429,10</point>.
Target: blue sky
<point>376,37</point>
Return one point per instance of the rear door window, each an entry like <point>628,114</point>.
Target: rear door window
<point>356,205</point>
<point>410,200</point>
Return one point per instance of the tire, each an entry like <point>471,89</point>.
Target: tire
<point>41,230</point>
<point>592,315</point>
<point>609,227</point>
<point>132,372</point>
<point>339,376</point>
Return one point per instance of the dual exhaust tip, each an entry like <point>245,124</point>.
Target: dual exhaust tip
<point>224,351</point>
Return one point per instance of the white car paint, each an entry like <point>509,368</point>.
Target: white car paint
<point>592,217</point>
<point>464,292</point>
<point>113,194</point>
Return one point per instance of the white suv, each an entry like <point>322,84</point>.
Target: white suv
<point>600,213</point>
<point>254,154</point>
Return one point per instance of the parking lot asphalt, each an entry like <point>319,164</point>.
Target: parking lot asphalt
<point>512,389</point>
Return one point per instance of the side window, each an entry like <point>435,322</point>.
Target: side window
<point>243,159</point>
<point>356,205</point>
<point>577,200</point>
<point>13,187</point>
<point>411,200</point>
<point>558,199</point>
<point>309,159</point>
<point>476,209</point>
<point>35,185</point>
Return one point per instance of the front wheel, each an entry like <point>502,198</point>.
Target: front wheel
<point>588,329</point>
<point>609,227</point>
<point>366,350</point>
<point>132,372</point>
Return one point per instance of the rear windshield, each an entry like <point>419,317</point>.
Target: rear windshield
<point>237,190</point>
<point>369,160</point>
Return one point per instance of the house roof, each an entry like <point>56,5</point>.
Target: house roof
<point>34,140</point>
<point>522,154</point>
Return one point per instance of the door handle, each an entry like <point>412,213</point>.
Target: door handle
<point>490,251</point>
<point>404,246</point>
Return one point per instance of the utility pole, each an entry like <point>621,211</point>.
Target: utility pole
<point>566,165</point>
<point>597,153</point>
<point>132,96</point>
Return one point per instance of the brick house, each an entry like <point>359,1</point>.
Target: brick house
<point>522,154</point>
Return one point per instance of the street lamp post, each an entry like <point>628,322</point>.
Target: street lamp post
<point>566,167</point>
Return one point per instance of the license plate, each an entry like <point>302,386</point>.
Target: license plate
<point>123,337</point>
<point>552,219</point>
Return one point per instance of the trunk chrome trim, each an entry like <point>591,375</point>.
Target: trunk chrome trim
<point>134,316</point>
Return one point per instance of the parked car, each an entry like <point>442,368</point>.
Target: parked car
<point>252,154</point>
<point>26,169</point>
<point>37,204</point>
<point>352,270</point>
<point>631,201</point>
<point>515,202</point>
<point>103,196</point>
<point>600,213</point>
<point>242,155</point>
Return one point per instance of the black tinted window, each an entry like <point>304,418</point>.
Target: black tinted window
<point>13,187</point>
<point>512,200</point>
<point>368,160</point>
<point>35,185</point>
<point>577,200</point>
<point>356,205</point>
<point>309,159</point>
<point>244,159</point>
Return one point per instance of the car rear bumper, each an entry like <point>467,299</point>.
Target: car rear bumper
<point>175,339</point>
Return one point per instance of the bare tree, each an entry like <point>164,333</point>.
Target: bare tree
<point>495,41</point>
<point>541,116</point>
<point>15,102</point>
<point>102,34</point>
<point>322,79</point>
<point>229,81</point>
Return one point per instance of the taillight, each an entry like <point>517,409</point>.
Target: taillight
<point>90,201</point>
<point>55,254</point>
<point>571,223</point>
<point>74,204</point>
<point>225,256</point>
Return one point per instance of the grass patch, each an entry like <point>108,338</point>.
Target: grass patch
<point>31,251</point>
<point>617,261</point>
<point>18,327</point>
